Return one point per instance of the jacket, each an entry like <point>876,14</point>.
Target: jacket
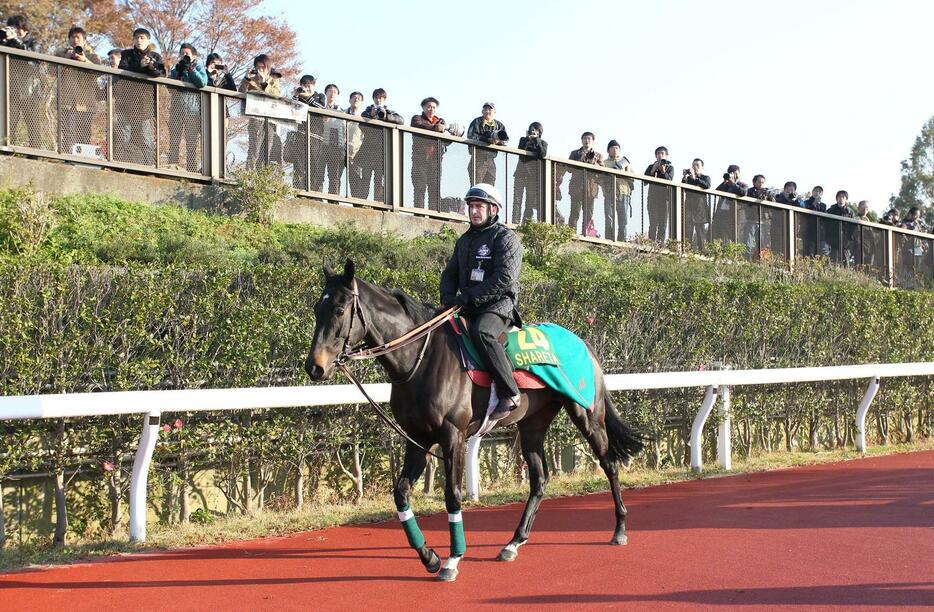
<point>270,87</point>
<point>371,111</point>
<point>132,59</point>
<point>90,57</point>
<point>667,170</point>
<point>425,148</point>
<point>354,136</point>
<point>184,100</point>
<point>484,132</point>
<point>696,210</point>
<point>29,43</point>
<point>623,185</point>
<point>840,211</point>
<point>812,204</point>
<point>495,250</point>
<point>527,167</point>
<point>784,199</point>
<point>760,194</point>
<point>80,99</point>
<point>222,80</point>
<point>737,189</point>
<point>580,177</point>
<point>196,74</point>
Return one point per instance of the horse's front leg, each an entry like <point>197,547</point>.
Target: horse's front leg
<point>453,447</point>
<point>412,468</point>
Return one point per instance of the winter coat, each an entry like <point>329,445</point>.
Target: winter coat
<point>183,100</point>
<point>659,194</point>
<point>760,194</point>
<point>494,249</point>
<point>81,99</point>
<point>623,185</point>
<point>370,112</point>
<point>90,57</point>
<point>696,210</point>
<point>736,189</point>
<point>28,43</point>
<point>132,59</point>
<point>840,211</point>
<point>527,167</point>
<point>222,80</point>
<point>813,204</point>
<point>426,148</point>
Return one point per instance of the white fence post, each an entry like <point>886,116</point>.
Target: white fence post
<point>473,467</point>
<point>724,442</point>
<point>870,395</point>
<point>138,482</point>
<point>697,431</point>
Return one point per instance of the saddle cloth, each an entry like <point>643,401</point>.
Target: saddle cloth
<point>543,355</point>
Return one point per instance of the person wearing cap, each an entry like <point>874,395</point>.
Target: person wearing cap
<point>486,129</point>
<point>482,277</point>
<point>617,193</point>
<point>427,153</point>
<point>528,175</point>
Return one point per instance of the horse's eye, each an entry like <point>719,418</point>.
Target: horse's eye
<point>339,311</point>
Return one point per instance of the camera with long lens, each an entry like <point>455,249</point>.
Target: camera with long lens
<point>78,50</point>
<point>184,63</point>
<point>8,33</point>
<point>455,129</point>
<point>380,113</point>
<point>502,136</point>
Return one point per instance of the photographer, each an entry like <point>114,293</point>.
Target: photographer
<point>696,209</point>
<point>370,159</point>
<point>617,193</point>
<point>758,189</point>
<point>261,79</point>
<point>142,57</point>
<point>891,218</point>
<point>842,253</point>
<point>185,109</point>
<point>789,196</point>
<point>217,73</point>
<point>427,153</point>
<point>30,103</point>
<point>658,202</point>
<point>528,174</point>
<point>487,129</point>
<point>295,151</point>
<point>583,187</point>
<point>79,96</point>
<point>334,151</point>
<point>16,35</point>
<point>354,143</point>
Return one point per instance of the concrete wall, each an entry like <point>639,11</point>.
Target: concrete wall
<point>69,178</point>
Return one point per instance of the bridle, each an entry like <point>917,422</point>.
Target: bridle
<point>362,352</point>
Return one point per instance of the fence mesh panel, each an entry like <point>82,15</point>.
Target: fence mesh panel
<point>180,115</point>
<point>527,200</point>
<point>697,215</point>
<point>83,114</point>
<point>913,265</point>
<point>33,104</point>
<point>367,161</point>
<point>235,135</point>
<point>329,159</point>
<point>134,108</point>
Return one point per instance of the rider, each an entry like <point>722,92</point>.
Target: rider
<point>482,278</point>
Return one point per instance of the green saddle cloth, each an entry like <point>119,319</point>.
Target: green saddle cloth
<point>551,352</point>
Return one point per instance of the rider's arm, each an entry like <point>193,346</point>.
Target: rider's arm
<point>507,262</point>
<point>450,279</point>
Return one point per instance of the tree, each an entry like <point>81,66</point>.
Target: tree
<point>918,176</point>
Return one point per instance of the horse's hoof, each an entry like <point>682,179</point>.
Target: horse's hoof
<point>448,574</point>
<point>434,562</point>
<point>620,540</point>
<point>507,554</point>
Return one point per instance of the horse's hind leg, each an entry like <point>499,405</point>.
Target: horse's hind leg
<point>412,467</point>
<point>532,437</point>
<point>591,424</point>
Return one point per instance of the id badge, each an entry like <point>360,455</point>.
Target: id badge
<point>476,275</point>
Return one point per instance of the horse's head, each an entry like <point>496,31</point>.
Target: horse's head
<point>338,324</point>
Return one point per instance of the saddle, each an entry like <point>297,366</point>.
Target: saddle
<point>471,363</point>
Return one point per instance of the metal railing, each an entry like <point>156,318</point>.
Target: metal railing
<point>152,404</point>
<point>62,109</point>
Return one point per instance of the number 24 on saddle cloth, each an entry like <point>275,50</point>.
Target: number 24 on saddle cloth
<point>542,355</point>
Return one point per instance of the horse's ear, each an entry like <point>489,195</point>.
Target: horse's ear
<point>349,270</point>
<point>328,272</point>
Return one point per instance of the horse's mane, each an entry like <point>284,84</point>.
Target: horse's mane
<point>418,311</point>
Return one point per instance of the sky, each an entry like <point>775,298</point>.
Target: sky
<point>822,92</point>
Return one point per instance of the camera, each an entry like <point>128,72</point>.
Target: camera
<point>184,63</point>
<point>275,74</point>
<point>78,51</point>
<point>219,67</point>
<point>8,33</point>
<point>502,136</point>
<point>380,113</point>
<point>455,129</point>
<point>687,171</point>
<point>299,90</point>
<point>590,155</point>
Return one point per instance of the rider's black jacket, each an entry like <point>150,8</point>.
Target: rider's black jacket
<point>494,249</point>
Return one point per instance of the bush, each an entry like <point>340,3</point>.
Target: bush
<point>255,193</point>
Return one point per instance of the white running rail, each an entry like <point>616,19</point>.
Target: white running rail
<point>152,404</point>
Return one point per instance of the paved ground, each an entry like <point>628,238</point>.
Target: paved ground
<point>856,534</point>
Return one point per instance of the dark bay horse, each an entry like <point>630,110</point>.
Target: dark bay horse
<point>436,403</point>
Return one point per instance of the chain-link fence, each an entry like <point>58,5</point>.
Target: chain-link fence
<point>179,125</point>
<point>914,266</point>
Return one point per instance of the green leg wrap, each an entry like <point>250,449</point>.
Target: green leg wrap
<point>456,527</point>
<point>410,526</point>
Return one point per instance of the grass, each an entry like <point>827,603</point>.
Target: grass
<point>271,523</point>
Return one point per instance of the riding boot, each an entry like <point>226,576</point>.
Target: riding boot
<point>504,407</point>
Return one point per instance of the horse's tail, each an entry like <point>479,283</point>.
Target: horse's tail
<point>625,442</point>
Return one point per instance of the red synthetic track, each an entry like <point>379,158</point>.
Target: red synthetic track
<point>840,536</point>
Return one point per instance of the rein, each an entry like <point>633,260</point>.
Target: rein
<point>360,354</point>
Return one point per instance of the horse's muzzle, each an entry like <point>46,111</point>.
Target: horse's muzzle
<point>316,371</point>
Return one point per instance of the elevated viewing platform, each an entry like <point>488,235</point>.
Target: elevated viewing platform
<point>101,117</point>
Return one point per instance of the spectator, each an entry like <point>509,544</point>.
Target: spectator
<point>427,153</point>
<point>142,57</point>
<point>527,176</point>
<point>891,217</point>
<point>354,142</point>
<point>217,73</point>
<point>333,153</point>
<point>814,202</point>
<point>862,210</point>
<point>841,207</point>
<point>486,129</point>
<point>297,145</point>
<point>185,109</point>
<point>31,100</point>
<point>371,159</point>
<point>725,216</point>
<point>261,79</point>
<point>617,193</point>
<point>913,251</point>
<point>758,190</point>
<point>696,210</point>
<point>789,196</point>
<point>583,187</point>
<point>78,97</point>
<point>658,202</point>
<point>868,247</point>
<point>16,35</point>
<point>913,220</point>
<point>113,58</point>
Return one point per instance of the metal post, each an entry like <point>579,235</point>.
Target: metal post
<point>546,191</point>
<point>677,218</point>
<point>110,117</point>
<point>724,432</point>
<point>394,168</point>
<point>4,99</point>
<point>213,137</point>
<point>155,129</point>
<point>870,395</point>
<point>697,430</point>
<point>473,467</point>
<point>57,145</point>
<point>140,477</point>
<point>792,239</point>
<point>890,258</point>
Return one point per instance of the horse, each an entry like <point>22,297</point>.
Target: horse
<point>435,403</point>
